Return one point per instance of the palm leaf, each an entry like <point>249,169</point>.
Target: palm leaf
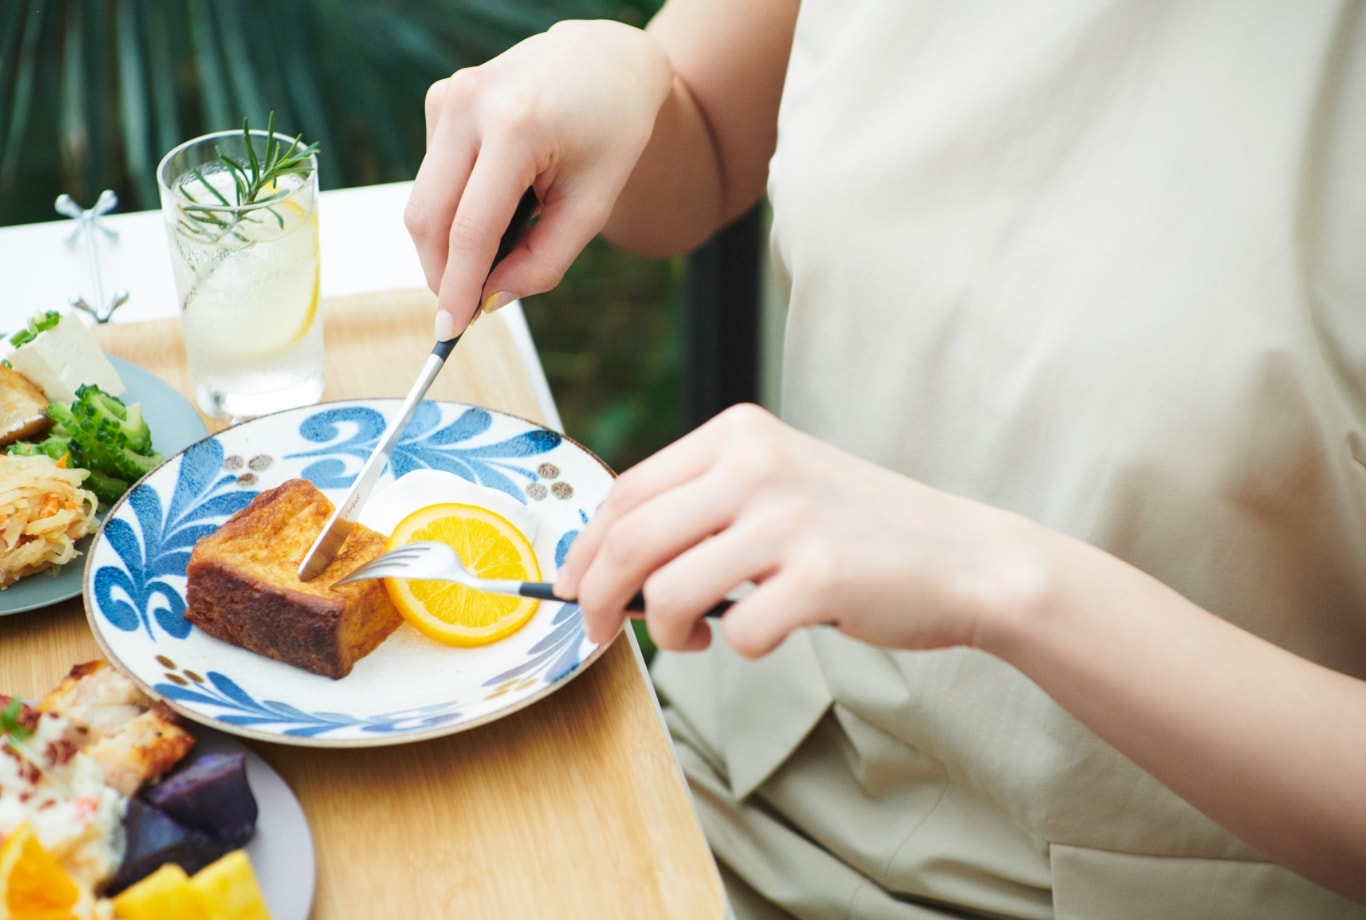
<point>93,92</point>
<point>22,51</point>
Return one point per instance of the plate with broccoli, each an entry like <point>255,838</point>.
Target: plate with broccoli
<point>115,445</point>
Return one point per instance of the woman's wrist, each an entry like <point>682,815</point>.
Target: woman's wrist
<point>1014,597</point>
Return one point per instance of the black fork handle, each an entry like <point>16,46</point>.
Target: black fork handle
<point>544,590</point>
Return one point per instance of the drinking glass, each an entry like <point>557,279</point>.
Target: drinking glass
<point>246,274</point>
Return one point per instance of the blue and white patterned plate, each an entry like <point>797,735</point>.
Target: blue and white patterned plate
<point>410,688</point>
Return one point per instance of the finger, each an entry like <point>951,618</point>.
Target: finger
<point>751,551</point>
<point>564,226</point>
<point>679,593</point>
<point>682,461</point>
<point>673,465</point>
<point>765,617</point>
<point>481,217</point>
<point>775,544</point>
<point>650,537</point>
<point>803,582</point>
<point>694,639</point>
<point>432,106</point>
<point>436,192</point>
<point>688,586</point>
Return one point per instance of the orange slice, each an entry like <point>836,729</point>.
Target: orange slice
<point>491,547</point>
<point>33,884</point>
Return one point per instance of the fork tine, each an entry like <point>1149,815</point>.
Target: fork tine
<point>405,560</point>
<point>379,567</point>
<point>406,552</point>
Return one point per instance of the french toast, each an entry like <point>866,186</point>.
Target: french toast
<point>244,586</point>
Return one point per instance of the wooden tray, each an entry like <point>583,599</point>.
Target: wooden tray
<point>573,807</point>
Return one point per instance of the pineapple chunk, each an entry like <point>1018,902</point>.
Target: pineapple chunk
<point>223,890</point>
<point>229,889</point>
<point>165,893</point>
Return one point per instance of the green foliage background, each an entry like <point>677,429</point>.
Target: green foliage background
<point>93,92</point>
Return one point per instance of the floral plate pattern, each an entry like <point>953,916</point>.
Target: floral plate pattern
<point>409,688</point>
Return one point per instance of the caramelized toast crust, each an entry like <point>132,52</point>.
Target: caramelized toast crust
<point>244,586</point>
<point>23,408</point>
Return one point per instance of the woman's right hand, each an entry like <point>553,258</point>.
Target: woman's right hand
<point>566,113</point>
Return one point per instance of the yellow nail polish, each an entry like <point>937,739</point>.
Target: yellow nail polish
<point>497,301</point>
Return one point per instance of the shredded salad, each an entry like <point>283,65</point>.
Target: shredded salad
<point>43,512</point>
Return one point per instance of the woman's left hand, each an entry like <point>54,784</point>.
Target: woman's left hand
<point>823,536</point>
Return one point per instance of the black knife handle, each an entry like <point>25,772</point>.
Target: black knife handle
<point>521,216</point>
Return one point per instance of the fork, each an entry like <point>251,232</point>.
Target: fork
<point>431,559</point>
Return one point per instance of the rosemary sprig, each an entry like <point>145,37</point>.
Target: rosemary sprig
<point>251,179</point>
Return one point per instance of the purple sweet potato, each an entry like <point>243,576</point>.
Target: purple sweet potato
<point>209,794</point>
<point>155,838</point>
<point>201,811</point>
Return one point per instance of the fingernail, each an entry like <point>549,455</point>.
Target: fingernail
<point>498,300</point>
<point>445,326</point>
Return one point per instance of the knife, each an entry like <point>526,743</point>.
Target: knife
<point>343,519</point>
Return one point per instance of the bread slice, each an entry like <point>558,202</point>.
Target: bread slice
<point>23,408</point>
<point>244,586</point>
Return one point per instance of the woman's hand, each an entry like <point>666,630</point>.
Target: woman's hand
<point>825,538</point>
<point>567,113</point>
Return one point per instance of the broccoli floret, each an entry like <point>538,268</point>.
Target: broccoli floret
<point>57,443</point>
<point>64,423</point>
<point>109,437</point>
<point>98,411</point>
<point>54,447</point>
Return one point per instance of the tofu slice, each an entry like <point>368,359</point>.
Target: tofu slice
<point>62,358</point>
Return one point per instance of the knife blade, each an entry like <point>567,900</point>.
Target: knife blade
<point>343,518</point>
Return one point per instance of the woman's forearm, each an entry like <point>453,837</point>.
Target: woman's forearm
<point>1268,744</point>
<point>707,161</point>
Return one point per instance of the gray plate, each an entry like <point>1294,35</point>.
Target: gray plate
<point>175,425</point>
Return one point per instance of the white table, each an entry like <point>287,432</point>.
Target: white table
<point>363,245</point>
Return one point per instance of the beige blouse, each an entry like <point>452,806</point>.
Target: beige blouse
<point>1102,264</point>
